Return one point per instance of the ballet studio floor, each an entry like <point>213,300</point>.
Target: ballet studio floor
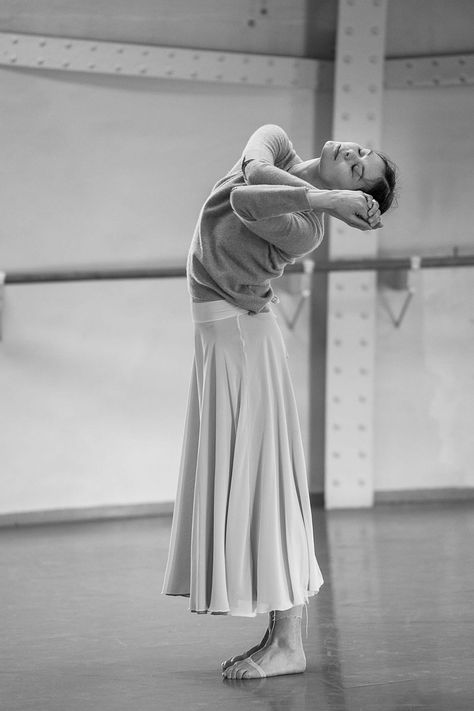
<point>83,624</point>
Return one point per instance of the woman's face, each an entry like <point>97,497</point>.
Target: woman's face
<point>348,166</point>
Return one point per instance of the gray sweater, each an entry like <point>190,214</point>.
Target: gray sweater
<point>248,232</point>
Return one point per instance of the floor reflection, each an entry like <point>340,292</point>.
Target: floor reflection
<point>84,627</point>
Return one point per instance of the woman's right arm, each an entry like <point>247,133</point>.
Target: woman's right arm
<point>253,203</point>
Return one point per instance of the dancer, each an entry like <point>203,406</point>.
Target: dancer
<point>242,537</point>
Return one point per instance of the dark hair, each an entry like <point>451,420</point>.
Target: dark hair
<point>384,189</point>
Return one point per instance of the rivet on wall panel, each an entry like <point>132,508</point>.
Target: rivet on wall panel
<point>408,65</point>
<point>363,371</point>
<point>346,88</point>
<point>91,66</point>
<point>42,43</point>
<point>170,55</point>
<point>434,63</point>
<point>94,48</point>
<point>66,65</point>
<point>271,63</point>
<point>243,78</point>
<point>345,116</point>
<point>145,53</point>
<point>14,40</point>
<point>336,399</point>
<point>462,78</point>
<point>371,116</point>
<point>363,342</point>
<point>12,60</point>
<point>169,73</point>
<point>461,61</point>
<point>362,455</point>
<point>336,455</point>
<point>336,427</point>
<point>361,482</point>
<point>373,59</point>
<point>362,398</point>
<point>340,286</point>
<point>364,315</point>
<point>218,77</point>
<point>338,314</point>
<point>143,70</point>
<point>361,428</point>
<point>118,69</point>
<point>373,88</point>
<point>197,56</point>
<point>338,370</point>
<point>349,31</point>
<point>375,30</point>
<point>337,342</point>
<point>245,60</point>
<point>40,62</point>
<point>335,482</point>
<point>221,58</point>
<point>119,50</point>
<point>68,45</point>
<point>347,59</point>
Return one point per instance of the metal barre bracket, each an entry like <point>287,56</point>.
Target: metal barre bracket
<point>415,265</point>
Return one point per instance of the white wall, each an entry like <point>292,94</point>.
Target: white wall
<point>265,26</point>
<point>94,376</point>
<point>425,374</point>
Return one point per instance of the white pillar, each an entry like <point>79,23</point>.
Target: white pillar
<point>351,296</point>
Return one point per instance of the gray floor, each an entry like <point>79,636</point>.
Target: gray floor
<point>83,624</point>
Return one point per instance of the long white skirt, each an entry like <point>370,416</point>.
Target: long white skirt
<point>242,536</point>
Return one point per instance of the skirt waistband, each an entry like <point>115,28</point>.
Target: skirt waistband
<point>203,311</point>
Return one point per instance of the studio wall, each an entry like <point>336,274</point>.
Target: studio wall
<point>94,376</point>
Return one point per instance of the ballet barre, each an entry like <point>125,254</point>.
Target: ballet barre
<point>407,264</point>
<point>104,273</point>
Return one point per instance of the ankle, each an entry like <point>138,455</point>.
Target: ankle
<point>287,637</point>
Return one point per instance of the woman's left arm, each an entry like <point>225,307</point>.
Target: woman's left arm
<point>268,148</point>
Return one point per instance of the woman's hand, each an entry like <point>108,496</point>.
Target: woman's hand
<point>355,208</point>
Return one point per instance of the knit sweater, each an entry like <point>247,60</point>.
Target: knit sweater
<point>247,232</point>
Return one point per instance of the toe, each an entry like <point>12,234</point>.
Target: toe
<point>227,673</point>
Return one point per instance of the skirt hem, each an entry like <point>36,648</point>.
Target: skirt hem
<point>309,594</point>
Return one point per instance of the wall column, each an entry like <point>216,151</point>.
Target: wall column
<point>352,296</point>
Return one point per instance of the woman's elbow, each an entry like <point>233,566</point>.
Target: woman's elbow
<point>238,203</point>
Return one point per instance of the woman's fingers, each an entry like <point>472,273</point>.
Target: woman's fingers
<point>361,224</point>
<point>373,212</point>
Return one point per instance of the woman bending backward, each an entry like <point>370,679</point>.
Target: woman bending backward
<point>242,537</point>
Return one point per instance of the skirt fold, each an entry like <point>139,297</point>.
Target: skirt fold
<point>242,537</point>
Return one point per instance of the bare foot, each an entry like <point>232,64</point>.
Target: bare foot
<point>229,662</point>
<point>283,652</point>
<point>271,660</point>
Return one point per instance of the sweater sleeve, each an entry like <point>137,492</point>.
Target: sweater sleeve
<point>267,157</point>
<point>281,215</point>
